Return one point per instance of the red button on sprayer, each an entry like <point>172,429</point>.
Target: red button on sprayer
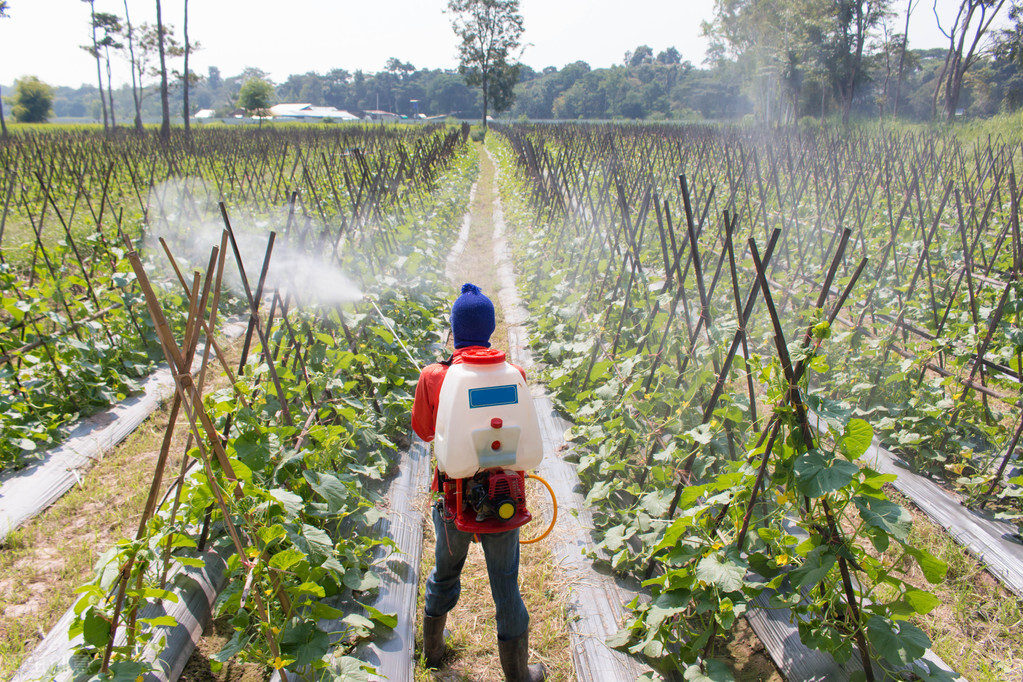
<point>496,445</point>
<point>496,423</point>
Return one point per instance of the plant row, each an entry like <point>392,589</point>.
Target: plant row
<point>284,466</point>
<point>74,333</point>
<point>718,470</point>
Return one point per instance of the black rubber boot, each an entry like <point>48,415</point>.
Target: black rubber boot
<point>433,639</point>
<point>515,661</point>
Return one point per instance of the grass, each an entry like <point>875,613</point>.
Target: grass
<point>42,562</point>
<point>976,628</point>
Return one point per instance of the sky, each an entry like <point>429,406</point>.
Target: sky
<point>42,37</point>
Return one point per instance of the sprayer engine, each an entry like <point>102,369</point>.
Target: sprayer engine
<point>492,501</point>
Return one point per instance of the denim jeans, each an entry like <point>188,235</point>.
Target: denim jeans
<point>502,554</point>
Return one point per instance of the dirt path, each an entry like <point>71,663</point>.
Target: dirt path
<point>473,634</point>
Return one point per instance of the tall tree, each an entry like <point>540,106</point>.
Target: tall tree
<point>963,49</point>
<point>910,6</point>
<point>1008,53</point>
<point>489,31</point>
<point>110,24</point>
<point>768,41</point>
<point>164,98</point>
<point>186,79</point>
<point>136,85</point>
<point>3,122</point>
<point>94,51</point>
<point>840,37</point>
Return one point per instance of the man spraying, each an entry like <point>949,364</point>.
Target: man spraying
<point>472,323</point>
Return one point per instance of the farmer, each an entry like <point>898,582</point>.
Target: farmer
<point>472,323</point>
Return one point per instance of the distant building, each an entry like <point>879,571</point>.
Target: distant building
<point>308,112</point>
<point>375,115</point>
<point>203,114</point>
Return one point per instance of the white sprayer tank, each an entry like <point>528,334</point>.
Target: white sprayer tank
<point>485,417</point>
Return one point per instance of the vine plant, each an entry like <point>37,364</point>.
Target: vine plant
<point>733,511</point>
<point>291,504</point>
<point>800,523</point>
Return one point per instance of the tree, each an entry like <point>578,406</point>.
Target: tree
<point>768,40</point>
<point>644,54</point>
<point>255,96</point>
<point>400,68</point>
<point>187,77</point>
<point>961,56</point>
<point>94,51</point>
<point>1008,53</point>
<point>32,100</point>
<point>136,86</point>
<point>110,24</point>
<point>910,6</point>
<point>840,37</point>
<point>503,82</point>
<point>669,56</point>
<point>490,32</point>
<point>3,123</point>
<point>164,99</point>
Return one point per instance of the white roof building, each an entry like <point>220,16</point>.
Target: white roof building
<point>308,112</point>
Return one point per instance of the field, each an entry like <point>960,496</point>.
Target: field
<point>733,320</point>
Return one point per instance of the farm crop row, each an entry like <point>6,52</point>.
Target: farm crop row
<point>74,333</point>
<point>281,466</point>
<point>728,317</point>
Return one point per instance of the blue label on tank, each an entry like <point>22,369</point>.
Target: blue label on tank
<point>492,396</point>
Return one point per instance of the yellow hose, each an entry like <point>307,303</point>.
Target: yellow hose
<point>554,517</point>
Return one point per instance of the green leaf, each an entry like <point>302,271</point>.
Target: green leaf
<point>319,544</point>
<point>723,572</point>
<point>360,581</point>
<point>814,568</point>
<point>886,515</point>
<point>329,488</point>
<point>933,568</point>
<point>96,629</point>
<point>304,642</point>
<point>310,588</point>
<point>153,593</point>
<point>324,611</point>
<point>292,503</point>
<point>923,602</point>
<point>352,669</point>
<point>358,622</point>
<point>286,559</point>
<point>388,620</point>
<point>615,537</point>
<point>712,671</point>
<point>253,448</point>
<point>161,621</point>
<point>857,438</point>
<point>900,642</point>
<point>127,671</point>
<point>816,476</point>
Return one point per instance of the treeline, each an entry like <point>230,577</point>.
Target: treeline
<point>649,87</point>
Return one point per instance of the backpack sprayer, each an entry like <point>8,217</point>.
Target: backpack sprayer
<point>487,437</point>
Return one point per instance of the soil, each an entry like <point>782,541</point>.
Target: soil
<point>199,667</point>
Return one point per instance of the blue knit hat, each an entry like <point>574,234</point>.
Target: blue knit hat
<point>472,318</point>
